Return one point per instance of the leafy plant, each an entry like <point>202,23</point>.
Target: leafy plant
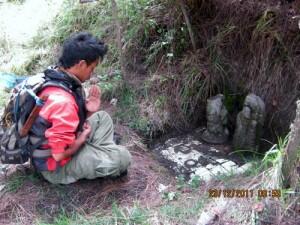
<point>128,111</point>
<point>195,182</point>
<point>274,156</point>
<point>134,215</point>
<point>163,45</point>
<point>170,196</point>
<point>109,84</point>
<point>180,182</point>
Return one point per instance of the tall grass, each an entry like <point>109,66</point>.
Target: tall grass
<point>244,47</point>
<point>273,158</point>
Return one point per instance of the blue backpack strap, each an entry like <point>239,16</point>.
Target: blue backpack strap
<point>38,101</point>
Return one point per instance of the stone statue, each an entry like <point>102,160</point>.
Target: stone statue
<point>249,124</point>
<point>216,131</point>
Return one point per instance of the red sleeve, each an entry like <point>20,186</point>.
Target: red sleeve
<point>62,112</point>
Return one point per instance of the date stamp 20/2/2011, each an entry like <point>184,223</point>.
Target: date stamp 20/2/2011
<point>244,193</point>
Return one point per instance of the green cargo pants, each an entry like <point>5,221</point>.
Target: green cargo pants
<point>98,157</point>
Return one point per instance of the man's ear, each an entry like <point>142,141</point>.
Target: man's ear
<point>82,63</point>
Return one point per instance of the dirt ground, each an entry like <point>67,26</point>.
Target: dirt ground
<point>35,198</point>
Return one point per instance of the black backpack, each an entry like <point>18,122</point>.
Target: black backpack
<point>15,149</point>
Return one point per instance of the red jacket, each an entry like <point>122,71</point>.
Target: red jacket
<point>61,111</point>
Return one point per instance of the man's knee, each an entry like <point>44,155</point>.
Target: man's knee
<point>100,116</point>
<point>104,116</point>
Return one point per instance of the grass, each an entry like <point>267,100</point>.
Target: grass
<point>15,182</point>
<point>169,213</point>
<point>134,215</point>
<point>265,21</point>
<point>110,83</point>
<point>274,158</point>
<point>128,111</point>
<point>183,212</point>
<point>180,210</point>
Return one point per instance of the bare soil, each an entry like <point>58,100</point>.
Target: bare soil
<point>36,198</point>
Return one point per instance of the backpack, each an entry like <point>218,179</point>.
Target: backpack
<point>17,149</point>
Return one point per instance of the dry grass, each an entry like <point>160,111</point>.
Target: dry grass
<point>243,47</point>
<point>39,199</point>
<point>252,210</point>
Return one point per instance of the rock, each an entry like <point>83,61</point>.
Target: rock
<point>162,188</point>
<point>229,165</point>
<point>3,168</point>
<point>249,124</point>
<point>203,173</point>
<point>188,156</point>
<point>216,113</point>
<point>113,101</point>
<point>208,216</point>
<point>94,80</point>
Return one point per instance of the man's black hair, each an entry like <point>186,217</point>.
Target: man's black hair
<point>81,46</point>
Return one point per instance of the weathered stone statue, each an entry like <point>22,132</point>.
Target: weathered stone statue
<point>216,131</point>
<point>249,124</point>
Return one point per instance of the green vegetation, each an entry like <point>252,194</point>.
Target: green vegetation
<point>273,158</point>
<point>129,112</point>
<point>164,83</point>
<point>15,182</point>
<point>110,83</point>
<point>232,53</point>
<point>136,215</point>
<point>182,213</point>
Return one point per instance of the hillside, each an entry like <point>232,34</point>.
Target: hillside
<point>165,60</point>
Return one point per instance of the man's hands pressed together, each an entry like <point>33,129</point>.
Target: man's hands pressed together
<point>93,100</point>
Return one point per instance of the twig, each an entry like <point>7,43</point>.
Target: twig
<point>188,24</point>
<point>287,208</point>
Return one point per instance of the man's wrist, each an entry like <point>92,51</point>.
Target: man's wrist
<point>81,139</point>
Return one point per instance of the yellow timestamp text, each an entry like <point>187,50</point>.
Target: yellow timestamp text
<point>244,193</point>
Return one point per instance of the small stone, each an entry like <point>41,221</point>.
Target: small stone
<point>209,166</point>
<point>213,149</point>
<point>196,142</point>
<point>3,168</point>
<point>243,168</point>
<point>218,170</point>
<point>203,173</point>
<point>221,160</point>
<point>162,188</point>
<point>229,165</point>
<point>113,101</point>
